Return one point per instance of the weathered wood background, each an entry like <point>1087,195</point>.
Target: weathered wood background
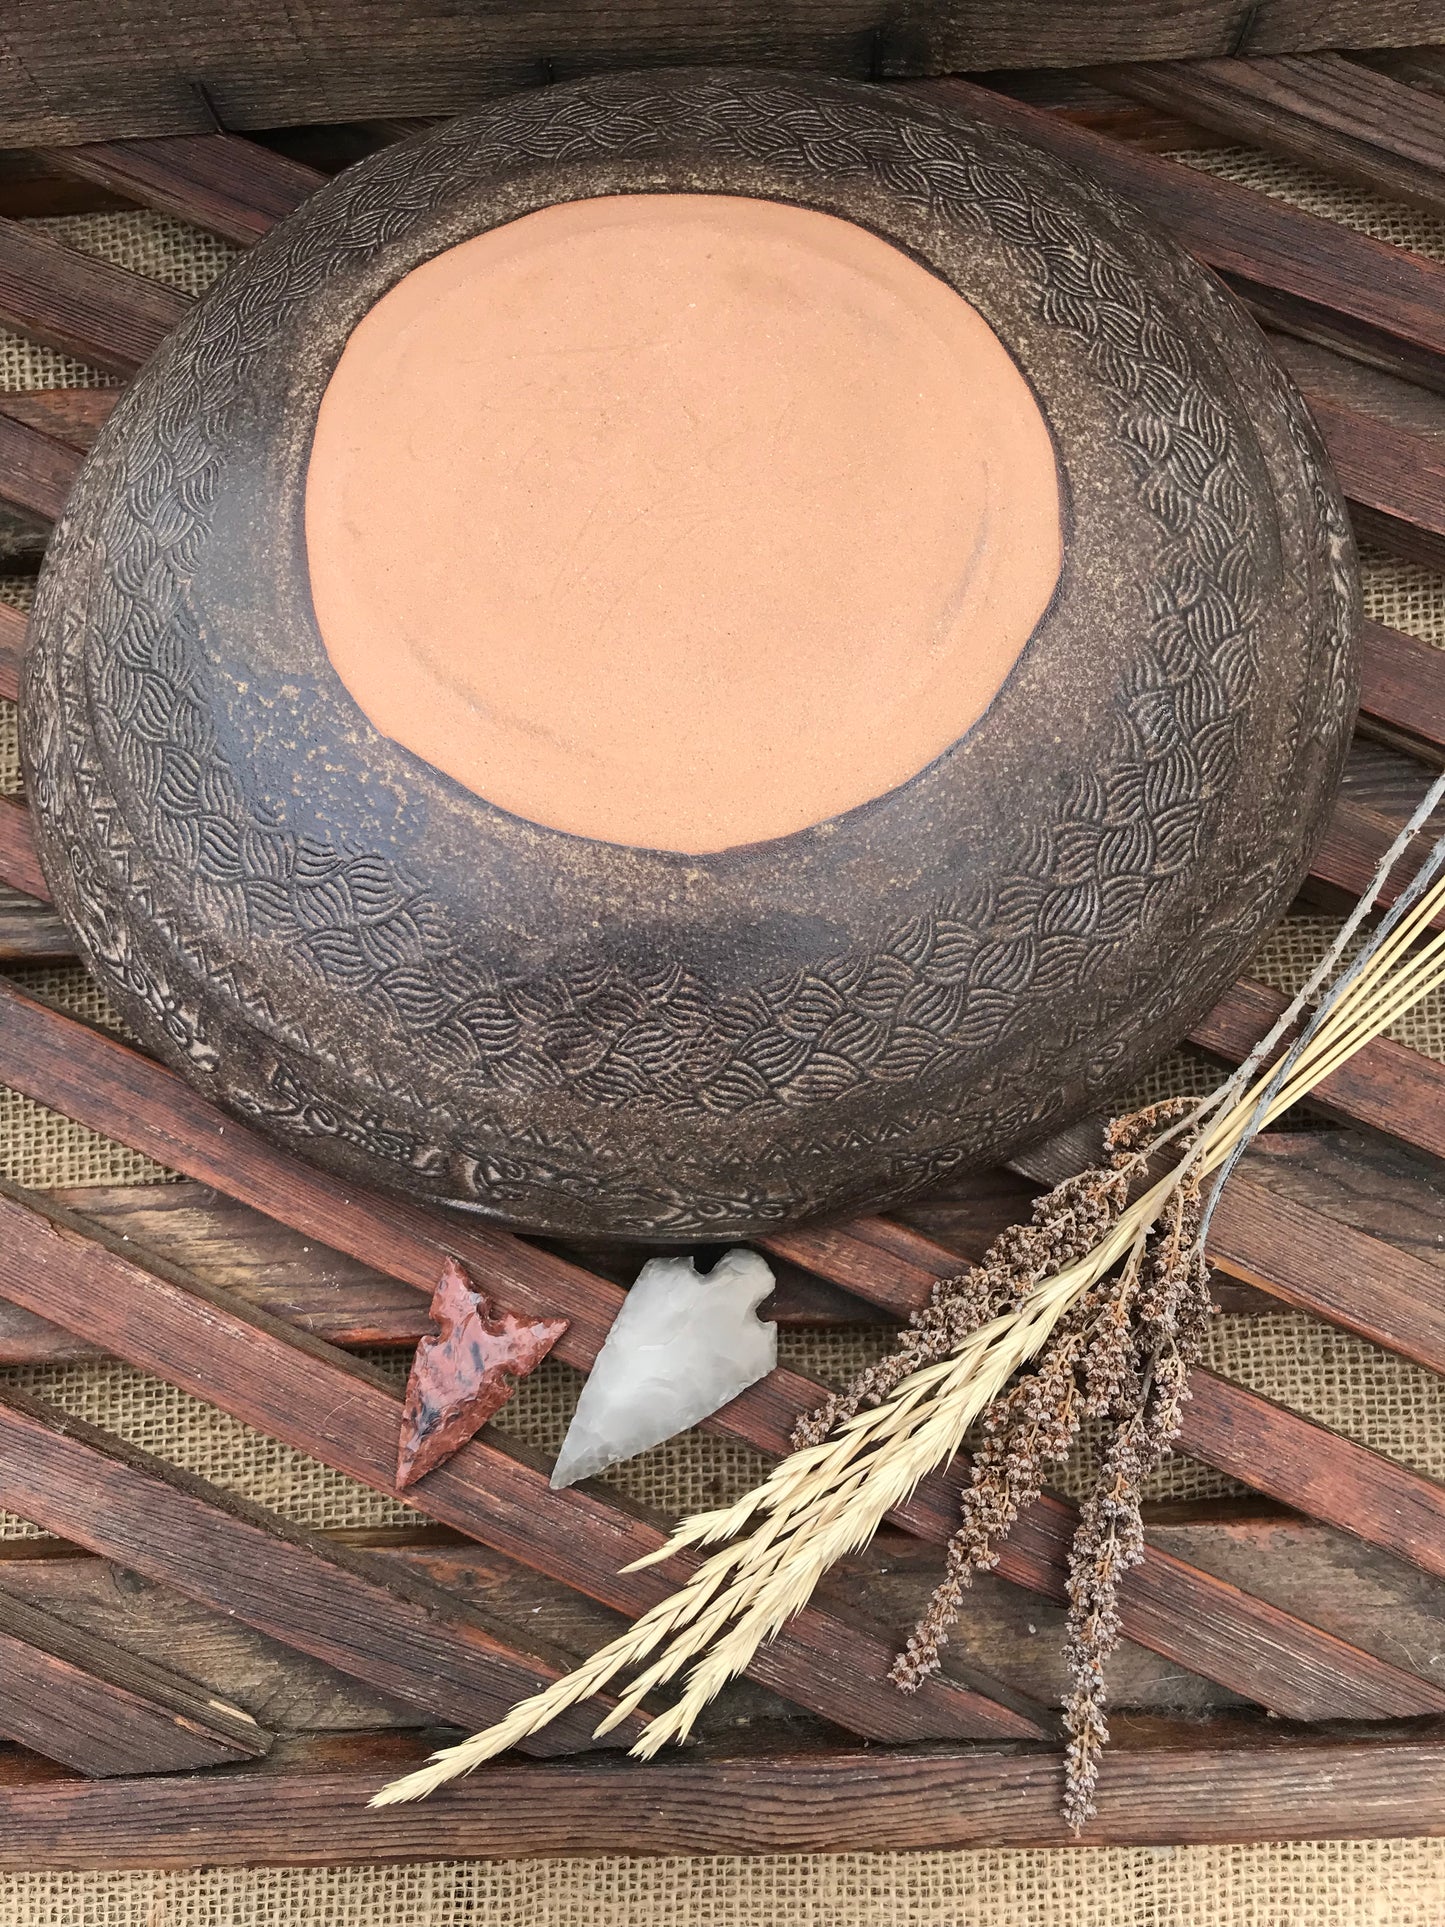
<point>75,70</point>
<point>1282,1669</point>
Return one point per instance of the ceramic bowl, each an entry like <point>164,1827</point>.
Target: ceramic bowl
<point>1020,727</point>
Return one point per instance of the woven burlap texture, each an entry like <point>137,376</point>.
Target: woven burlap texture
<point>1370,1883</point>
<point>1352,1386</point>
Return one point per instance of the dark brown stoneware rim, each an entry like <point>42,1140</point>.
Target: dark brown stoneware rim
<point>413,986</point>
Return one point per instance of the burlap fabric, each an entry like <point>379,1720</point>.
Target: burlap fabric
<point>1347,1384</point>
<point>1376,1883</point>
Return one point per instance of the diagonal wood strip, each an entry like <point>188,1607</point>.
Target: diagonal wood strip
<point>1377,299</point>
<point>1386,439</point>
<point>1394,482</point>
<point>31,932</point>
<point>1207,1625</point>
<point>1403,683</point>
<point>12,648</point>
<point>402,1636</point>
<point>318,1400</point>
<point>1259,1442</point>
<point>1267,1446</point>
<point>1349,854</point>
<point>84,307</point>
<point>1385,1086</point>
<point>35,471</point>
<point>19,865</point>
<point>235,187</point>
<point>74,416</point>
<point>309,1285</point>
<point>75,1697</point>
<point>1263,1653</point>
<point>1331,113</point>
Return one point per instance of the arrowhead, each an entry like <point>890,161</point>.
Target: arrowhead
<point>466,1374</point>
<point>681,1346</point>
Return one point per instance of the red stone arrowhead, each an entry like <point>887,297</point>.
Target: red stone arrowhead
<point>466,1374</point>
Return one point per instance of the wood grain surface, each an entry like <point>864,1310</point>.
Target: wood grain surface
<point>234,187</point>
<point>83,306</point>
<point>1249,1437</point>
<point>1311,276</point>
<point>1332,113</point>
<point>75,1697</point>
<point>1384,1085</point>
<point>12,646</point>
<point>72,74</point>
<point>1167,1783</point>
<point>404,1638</point>
<point>19,865</point>
<point>320,1401</point>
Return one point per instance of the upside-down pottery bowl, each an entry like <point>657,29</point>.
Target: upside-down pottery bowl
<point>688,652</point>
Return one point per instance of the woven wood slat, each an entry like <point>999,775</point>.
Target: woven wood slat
<point>1404,690</point>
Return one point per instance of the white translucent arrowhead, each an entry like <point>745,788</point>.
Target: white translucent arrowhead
<point>679,1349</point>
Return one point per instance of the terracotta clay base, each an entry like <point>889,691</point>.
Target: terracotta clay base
<point>680,520</point>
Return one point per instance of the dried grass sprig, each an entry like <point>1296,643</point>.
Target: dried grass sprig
<point>1101,1303</point>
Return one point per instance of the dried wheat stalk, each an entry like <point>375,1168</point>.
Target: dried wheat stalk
<point>1097,1307</point>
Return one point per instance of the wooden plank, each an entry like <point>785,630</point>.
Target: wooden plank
<point>107,316</point>
<point>301,1281</point>
<point>1383,778</point>
<point>19,865</point>
<point>1274,1450</point>
<point>1422,66</point>
<point>30,190</point>
<point>87,1703</point>
<point>1361,1594</point>
<point>234,187</point>
<point>1386,438</point>
<point>1331,113</point>
<point>31,932</point>
<point>408,1640</point>
<point>1259,1650</point>
<point>1314,274</point>
<point>70,75</point>
<point>1355,840</point>
<point>1245,1644</point>
<point>1307,1255</point>
<point>74,416</point>
<point>223,1243</point>
<point>12,646</point>
<point>1166,1783</point>
<point>1402,683</point>
<point>24,538</point>
<point>35,472</point>
<point>314,1398</point>
<point>1384,1086</point>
